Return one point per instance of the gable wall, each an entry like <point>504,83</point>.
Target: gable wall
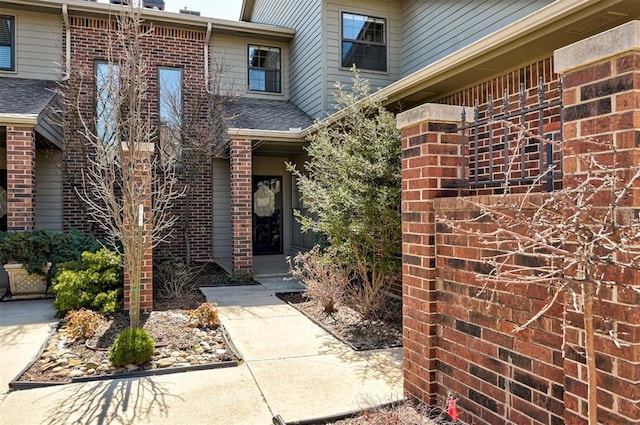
<point>435,29</point>
<point>306,49</point>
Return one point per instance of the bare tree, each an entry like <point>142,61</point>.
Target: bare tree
<point>193,138</point>
<point>575,241</point>
<point>121,178</point>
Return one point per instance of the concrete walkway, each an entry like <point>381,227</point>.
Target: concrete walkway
<point>292,368</point>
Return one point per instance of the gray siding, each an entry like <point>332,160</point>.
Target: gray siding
<point>306,52</point>
<point>221,209</point>
<point>231,54</point>
<point>435,29</point>
<point>387,9</point>
<point>48,189</point>
<point>38,45</point>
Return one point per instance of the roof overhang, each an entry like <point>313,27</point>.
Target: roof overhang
<point>218,26</point>
<point>293,137</point>
<point>27,120</point>
<point>247,10</point>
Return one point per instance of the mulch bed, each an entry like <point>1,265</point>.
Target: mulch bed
<point>348,325</point>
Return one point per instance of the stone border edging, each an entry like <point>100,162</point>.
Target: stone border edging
<point>15,384</point>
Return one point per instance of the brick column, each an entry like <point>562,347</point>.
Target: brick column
<point>430,159</point>
<point>143,173</point>
<point>241,220</point>
<point>602,101</point>
<point>21,178</point>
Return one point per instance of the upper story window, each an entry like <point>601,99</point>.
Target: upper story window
<point>265,69</point>
<point>170,112</point>
<point>7,43</point>
<point>364,42</point>
<point>107,101</point>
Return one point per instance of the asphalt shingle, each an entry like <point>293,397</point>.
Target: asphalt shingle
<point>23,96</point>
<point>264,114</point>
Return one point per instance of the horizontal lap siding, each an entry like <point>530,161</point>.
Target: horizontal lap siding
<point>231,54</point>
<point>433,30</point>
<point>38,49</point>
<point>221,209</point>
<point>48,189</point>
<point>389,10</point>
<point>306,54</point>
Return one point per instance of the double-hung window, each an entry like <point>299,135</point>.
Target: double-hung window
<point>107,101</point>
<point>265,69</point>
<point>364,42</point>
<point>7,43</point>
<point>170,113</point>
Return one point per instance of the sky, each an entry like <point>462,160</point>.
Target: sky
<point>223,9</point>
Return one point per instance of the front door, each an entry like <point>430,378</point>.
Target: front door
<point>267,215</point>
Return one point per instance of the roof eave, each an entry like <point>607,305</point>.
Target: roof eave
<point>267,135</point>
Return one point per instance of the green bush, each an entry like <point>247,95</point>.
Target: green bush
<point>35,249</point>
<point>93,282</point>
<point>133,346</point>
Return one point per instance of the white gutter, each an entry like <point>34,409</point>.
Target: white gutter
<point>20,119</point>
<point>270,135</point>
<point>206,58</point>
<point>67,57</point>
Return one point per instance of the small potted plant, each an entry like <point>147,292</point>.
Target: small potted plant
<point>25,256</point>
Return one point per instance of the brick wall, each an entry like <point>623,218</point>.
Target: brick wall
<point>166,47</point>
<point>21,178</point>
<point>458,333</point>
<point>241,194</point>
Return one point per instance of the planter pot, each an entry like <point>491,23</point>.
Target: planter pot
<point>23,283</point>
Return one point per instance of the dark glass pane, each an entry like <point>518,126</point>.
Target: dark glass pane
<point>5,30</point>
<point>364,56</point>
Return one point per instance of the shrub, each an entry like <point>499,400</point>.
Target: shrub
<point>205,316</point>
<point>133,346</point>
<point>35,249</point>
<point>94,282</point>
<point>174,280</point>
<point>82,323</point>
<point>324,277</point>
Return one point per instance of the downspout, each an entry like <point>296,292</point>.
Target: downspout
<point>67,65</point>
<point>206,58</point>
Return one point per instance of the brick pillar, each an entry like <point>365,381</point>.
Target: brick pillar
<point>602,101</point>
<point>21,178</point>
<point>241,224</point>
<point>143,172</point>
<point>430,159</point>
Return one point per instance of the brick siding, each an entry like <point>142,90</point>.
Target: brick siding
<point>458,334</point>
<point>21,178</point>
<point>166,47</point>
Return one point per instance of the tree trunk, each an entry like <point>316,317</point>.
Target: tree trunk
<point>592,378</point>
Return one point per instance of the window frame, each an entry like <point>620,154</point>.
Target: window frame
<point>97,102</point>
<point>384,44</point>
<point>177,144</point>
<point>12,43</point>
<point>279,70</point>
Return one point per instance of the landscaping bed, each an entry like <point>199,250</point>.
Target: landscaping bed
<point>178,346</point>
<point>349,327</point>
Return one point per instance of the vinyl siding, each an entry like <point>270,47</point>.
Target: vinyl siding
<point>38,45</point>
<point>433,30</point>
<point>48,189</point>
<point>221,209</point>
<point>306,52</point>
<point>231,54</point>
<point>389,10</point>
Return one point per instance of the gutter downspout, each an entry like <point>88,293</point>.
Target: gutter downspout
<point>65,17</point>
<point>206,58</point>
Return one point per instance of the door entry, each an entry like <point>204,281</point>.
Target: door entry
<point>267,215</point>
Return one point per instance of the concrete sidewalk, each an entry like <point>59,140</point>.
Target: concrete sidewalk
<point>292,368</point>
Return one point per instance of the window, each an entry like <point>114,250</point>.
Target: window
<point>7,43</point>
<point>170,112</point>
<point>107,100</point>
<point>264,69</point>
<point>364,42</point>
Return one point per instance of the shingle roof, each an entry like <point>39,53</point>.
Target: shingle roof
<point>264,114</point>
<point>22,96</point>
